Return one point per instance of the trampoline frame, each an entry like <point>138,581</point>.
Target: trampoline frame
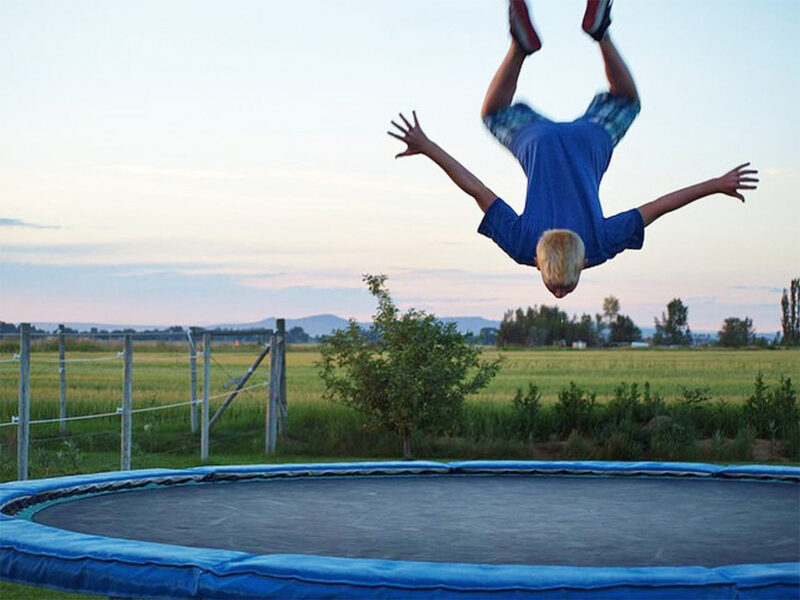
<point>69,561</point>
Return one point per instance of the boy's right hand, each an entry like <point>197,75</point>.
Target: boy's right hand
<point>413,136</point>
<point>740,178</point>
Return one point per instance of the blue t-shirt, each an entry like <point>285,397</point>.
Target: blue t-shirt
<point>564,163</point>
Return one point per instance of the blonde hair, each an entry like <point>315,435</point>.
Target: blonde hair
<point>560,255</point>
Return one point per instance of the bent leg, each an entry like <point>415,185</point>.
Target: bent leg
<point>615,110</point>
<point>504,84</point>
<point>620,80</point>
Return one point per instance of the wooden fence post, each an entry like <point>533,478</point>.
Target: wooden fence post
<point>127,402</point>
<point>24,417</point>
<point>274,390</point>
<point>193,376</point>
<point>206,394</point>
<point>283,407</point>
<point>62,375</point>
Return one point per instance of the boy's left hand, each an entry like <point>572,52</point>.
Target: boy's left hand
<point>413,136</point>
<point>737,179</point>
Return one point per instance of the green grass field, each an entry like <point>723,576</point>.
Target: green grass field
<point>319,430</point>
<point>161,376</point>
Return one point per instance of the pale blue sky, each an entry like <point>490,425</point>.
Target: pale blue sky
<point>191,162</point>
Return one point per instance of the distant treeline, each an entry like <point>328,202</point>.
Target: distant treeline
<point>176,333</point>
<point>551,326</point>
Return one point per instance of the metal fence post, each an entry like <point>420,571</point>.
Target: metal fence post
<point>206,387</point>
<point>272,404</point>
<point>283,407</point>
<point>62,375</point>
<point>24,417</point>
<point>127,401</point>
<point>193,377</point>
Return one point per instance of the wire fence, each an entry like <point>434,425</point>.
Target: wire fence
<point>16,430</point>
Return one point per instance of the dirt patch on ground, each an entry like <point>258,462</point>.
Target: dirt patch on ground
<point>768,451</point>
<point>549,450</point>
<point>761,451</point>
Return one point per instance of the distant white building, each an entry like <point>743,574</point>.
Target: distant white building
<point>579,345</point>
<point>640,345</point>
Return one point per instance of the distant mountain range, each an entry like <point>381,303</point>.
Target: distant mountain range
<point>317,325</point>
<point>314,325</point>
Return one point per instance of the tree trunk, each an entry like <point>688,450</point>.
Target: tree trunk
<point>407,444</point>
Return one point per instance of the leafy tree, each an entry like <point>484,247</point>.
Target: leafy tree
<point>610,308</point>
<point>297,335</point>
<point>790,314</point>
<point>584,330</point>
<point>736,332</point>
<point>600,326</point>
<point>603,320</point>
<point>488,336</point>
<point>8,327</point>
<point>414,377</point>
<point>545,326</point>
<point>673,328</point>
<point>624,331</point>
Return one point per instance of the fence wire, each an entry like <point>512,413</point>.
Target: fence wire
<point>48,368</point>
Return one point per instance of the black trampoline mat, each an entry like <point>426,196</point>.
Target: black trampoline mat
<point>579,521</point>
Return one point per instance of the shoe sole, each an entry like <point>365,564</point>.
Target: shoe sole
<point>595,15</point>
<point>521,27</point>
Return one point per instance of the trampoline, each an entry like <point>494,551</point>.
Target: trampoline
<point>410,529</point>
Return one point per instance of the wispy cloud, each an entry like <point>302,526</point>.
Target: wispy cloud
<point>310,279</point>
<point>780,172</point>
<point>229,257</point>
<point>761,288</point>
<point>8,222</point>
<point>451,300</point>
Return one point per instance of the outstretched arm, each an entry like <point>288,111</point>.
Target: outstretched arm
<point>418,143</point>
<point>729,184</point>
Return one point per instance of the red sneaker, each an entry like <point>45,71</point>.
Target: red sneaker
<point>521,27</point>
<point>597,18</point>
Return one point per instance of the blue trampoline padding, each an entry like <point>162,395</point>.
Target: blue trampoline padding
<point>32,553</point>
<point>97,565</point>
<point>765,471</point>
<point>764,582</point>
<point>628,468</point>
<point>325,577</point>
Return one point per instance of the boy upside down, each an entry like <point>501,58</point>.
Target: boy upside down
<point>562,229</point>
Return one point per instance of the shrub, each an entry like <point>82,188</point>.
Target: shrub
<point>624,443</point>
<point>791,440</point>
<point>742,446</point>
<point>692,413</point>
<point>772,412</point>
<point>579,448</point>
<point>526,411</point>
<point>575,410</point>
<point>630,406</point>
<point>413,377</point>
<point>626,405</point>
<point>674,441</point>
<point>485,421</point>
